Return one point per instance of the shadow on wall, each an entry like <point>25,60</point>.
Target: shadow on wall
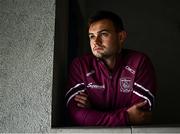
<point>69,35</point>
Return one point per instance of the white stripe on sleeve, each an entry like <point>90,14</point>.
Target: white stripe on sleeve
<point>144,97</point>
<point>73,96</point>
<point>74,87</point>
<point>140,86</point>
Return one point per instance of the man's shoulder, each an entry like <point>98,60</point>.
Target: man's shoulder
<point>133,54</point>
<point>133,57</point>
<point>85,58</point>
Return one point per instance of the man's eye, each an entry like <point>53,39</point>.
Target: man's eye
<point>104,34</point>
<point>91,36</point>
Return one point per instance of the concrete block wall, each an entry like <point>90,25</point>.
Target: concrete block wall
<point>26,64</point>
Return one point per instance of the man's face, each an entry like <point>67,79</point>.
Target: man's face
<point>104,39</point>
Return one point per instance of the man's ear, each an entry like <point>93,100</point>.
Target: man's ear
<point>122,37</point>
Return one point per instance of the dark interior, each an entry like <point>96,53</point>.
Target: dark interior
<point>153,27</point>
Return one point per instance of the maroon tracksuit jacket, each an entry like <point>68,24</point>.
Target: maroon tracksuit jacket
<point>111,93</point>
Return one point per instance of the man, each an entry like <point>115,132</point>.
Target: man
<point>113,86</point>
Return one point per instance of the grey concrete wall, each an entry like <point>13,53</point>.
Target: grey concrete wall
<point>26,64</point>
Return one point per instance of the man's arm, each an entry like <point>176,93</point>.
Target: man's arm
<point>86,116</point>
<point>89,116</point>
<point>137,113</point>
<point>143,94</point>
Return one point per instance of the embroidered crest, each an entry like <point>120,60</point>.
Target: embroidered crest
<point>126,85</point>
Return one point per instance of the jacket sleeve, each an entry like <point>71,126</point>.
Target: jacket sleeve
<point>89,116</point>
<point>145,85</point>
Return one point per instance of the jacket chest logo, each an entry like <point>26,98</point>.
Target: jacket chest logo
<point>126,85</point>
<point>91,85</point>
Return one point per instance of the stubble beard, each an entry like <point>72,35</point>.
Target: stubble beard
<point>102,55</point>
<point>105,54</point>
<point>98,54</point>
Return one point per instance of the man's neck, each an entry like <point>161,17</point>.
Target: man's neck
<point>110,62</point>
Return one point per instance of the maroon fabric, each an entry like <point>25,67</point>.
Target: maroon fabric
<point>111,93</point>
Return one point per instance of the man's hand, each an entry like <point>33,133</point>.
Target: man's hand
<point>82,100</point>
<point>137,115</point>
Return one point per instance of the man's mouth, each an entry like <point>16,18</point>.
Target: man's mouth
<point>97,48</point>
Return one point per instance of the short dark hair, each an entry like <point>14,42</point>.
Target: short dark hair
<point>100,15</point>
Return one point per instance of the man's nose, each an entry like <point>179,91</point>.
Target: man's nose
<point>98,40</point>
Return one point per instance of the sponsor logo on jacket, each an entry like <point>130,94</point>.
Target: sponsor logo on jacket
<point>91,85</point>
<point>130,69</point>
